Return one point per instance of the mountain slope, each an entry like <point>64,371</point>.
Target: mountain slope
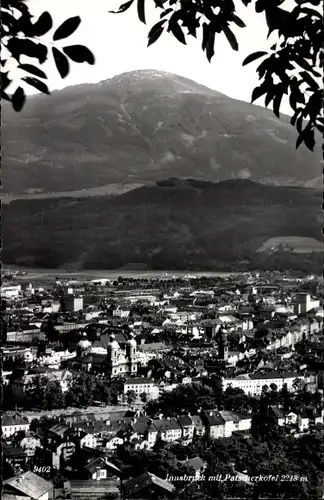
<point>175,224</point>
<point>144,126</point>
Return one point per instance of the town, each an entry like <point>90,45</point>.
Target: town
<point>142,388</point>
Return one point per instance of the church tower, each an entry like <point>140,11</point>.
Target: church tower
<point>84,346</point>
<point>112,355</point>
<point>223,344</point>
<point>131,351</point>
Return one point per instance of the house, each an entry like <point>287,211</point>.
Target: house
<point>144,428</point>
<point>58,431</point>
<point>234,422</point>
<point>278,415</point>
<point>121,312</point>
<point>187,426</point>
<point>199,428</point>
<point>221,424</point>
<point>27,485</point>
<point>302,422</point>
<point>87,439</point>
<point>214,423</point>
<point>29,443</point>
<point>290,418</point>
<point>168,429</point>
<point>152,484</point>
<point>196,463</point>
<point>142,386</point>
<point>14,455</point>
<point>12,424</point>
<point>61,452</point>
<point>140,444</point>
<point>113,442</point>
<point>98,469</point>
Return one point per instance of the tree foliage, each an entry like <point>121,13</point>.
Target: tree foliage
<point>22,39</point>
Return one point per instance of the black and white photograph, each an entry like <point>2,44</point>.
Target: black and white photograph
<point>162,250</point>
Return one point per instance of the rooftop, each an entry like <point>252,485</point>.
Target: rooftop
<point>28,484</point>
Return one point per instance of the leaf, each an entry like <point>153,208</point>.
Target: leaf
<point>37,84</point>
<point>17,47</point>
<point>18,99</point>
<point>79,54</point>
<point>206,31</point>
<point>125,6</point>
<point>300,139</point>
<point>33,70</point>
<point>263,68</point>
<point>258,92</point>
<point>276,103</point>
<point>165,13</point>
<point>67,28</point>
<point>155,32</point>
<point>5,81</point>
<point>210,46</point>
<point>253,57</point>
<point>309,138</point>
<point>303,63</point>
<point>269,97</point>
<point>308,79</point>
<point>141,10</point>
<point>238,21</point>
<point>43,24</point>
<point>176,30</point>
<point>292,100</point>
<point>61,62</point>
<point>295,116</point>
<point>299,124</point>
<point>231,38</point>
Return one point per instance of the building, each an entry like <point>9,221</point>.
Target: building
<point>222,424</point>
<point>168,429</point>
<point>121,361</point>
<point>72,303</point>
<point>196,464</point>
<point>12,424</point>
<point>278,415</point>
<point>152,484</point>
<point>61,453</point>
<point>27,485</point>
<point>303,302</point>
<point>223,344</point>
<point>253,383</point>
<point>15,456</point>
<point>187,426</point>
<point>142,386</point>
<point>29,443</point>
<point>10,292</point>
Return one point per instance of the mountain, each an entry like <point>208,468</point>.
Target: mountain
<point>175,224</point>
<point>144,126</point>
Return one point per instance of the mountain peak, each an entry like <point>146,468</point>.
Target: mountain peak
<point>144,126</point>
<point>144,78</point>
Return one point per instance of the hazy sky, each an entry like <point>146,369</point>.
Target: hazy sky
<point>119,43</point>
